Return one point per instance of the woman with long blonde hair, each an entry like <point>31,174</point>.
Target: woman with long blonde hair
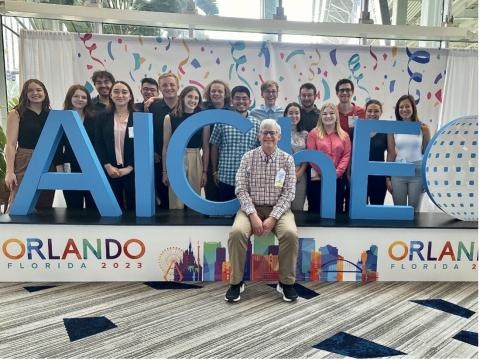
<point>329,138</point>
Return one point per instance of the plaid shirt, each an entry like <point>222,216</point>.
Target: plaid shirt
<point>255,181</point>
<point>232,144</point>
<point>264,112</point>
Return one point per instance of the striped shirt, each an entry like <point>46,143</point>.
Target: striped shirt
<point>255,181</point>
<point>232,144</point>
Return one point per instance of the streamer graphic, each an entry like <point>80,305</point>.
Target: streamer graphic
<point>109,50</point>
<point>194,82</point>
<point>419,57</point>
<point>265,52</point>
<point>326,90</point>
<point>354,65</point>
<point>333,56</point>
<point>375,57</point>
<point>91,48</point>
<point>237,62</point>
<point>184,61</point>
<point>311,75</point>
<point>294,53</point>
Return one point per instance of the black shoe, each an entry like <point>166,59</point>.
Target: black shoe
<point>234,291</point>
<point>288,291</point>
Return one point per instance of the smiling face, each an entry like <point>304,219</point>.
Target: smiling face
<point>328,117</point>
<point>241,101</point>
<point>405,109</point>
<point>217,95</point>
<point>307,98</point>
<point>148,90</point>
<point>270,95</point>
<point>293,113</point>
<point>120,95</point>
<point>373,112</point>
<point>168,87</point>
<point>190,102</point>
<point>35,93</point>
<point>269,137</point>
<point>103,85</point>
<point>345,93</point>
<point>79,99</point>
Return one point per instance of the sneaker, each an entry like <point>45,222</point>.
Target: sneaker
<point>234,291</point>
<point>288,291</point>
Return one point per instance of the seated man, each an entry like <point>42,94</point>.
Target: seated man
<point>265,185</point>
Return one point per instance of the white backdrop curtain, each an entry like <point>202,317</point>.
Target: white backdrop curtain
<point>49,57</point>
<point>460,95</point>
<point>62,59</point>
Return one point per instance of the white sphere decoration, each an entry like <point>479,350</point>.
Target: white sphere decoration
<point>450,168</point>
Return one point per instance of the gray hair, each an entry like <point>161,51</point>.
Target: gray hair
<point>270,123</point>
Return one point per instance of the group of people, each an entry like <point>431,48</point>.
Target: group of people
<point>213,154</point>
<point>219,158</point>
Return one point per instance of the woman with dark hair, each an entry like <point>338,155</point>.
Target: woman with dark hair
<point>299,143</point>
<point>24,126</point>
<point>77,99</point>
<point>195,163</point>
<point>377,187</point>
<point>114,144</point>
<point>217,96</point>
<point>407,148</point>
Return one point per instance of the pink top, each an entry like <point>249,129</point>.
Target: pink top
<point>336,149</point>
<point>119,129</point>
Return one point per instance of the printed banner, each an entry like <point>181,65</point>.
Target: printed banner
<point>160,253</point>
<point>383,73</point>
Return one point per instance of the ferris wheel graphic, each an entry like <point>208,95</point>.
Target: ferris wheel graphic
<point>168,261</point>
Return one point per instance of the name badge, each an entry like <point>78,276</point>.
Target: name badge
<point>130,132</point>
<point>280,178</point>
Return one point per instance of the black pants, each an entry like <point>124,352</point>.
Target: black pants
<point>376,190</point>
<point>160,188</point>
<point>76,199</point>
<point>315,187</point>
<point>124,190</point>
<point>225,192</point>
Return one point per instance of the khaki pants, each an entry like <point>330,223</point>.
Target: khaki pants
<point>286,231</point>
<point>192,162</point>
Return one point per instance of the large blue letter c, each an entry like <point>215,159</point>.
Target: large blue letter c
<point>175,154</point>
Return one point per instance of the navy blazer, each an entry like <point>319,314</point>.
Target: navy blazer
<point>105,141</point>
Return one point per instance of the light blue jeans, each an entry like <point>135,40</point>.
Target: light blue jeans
<point>408,188</point>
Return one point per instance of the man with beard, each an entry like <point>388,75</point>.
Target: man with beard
<point>309,111</point>
<point>103,82</point>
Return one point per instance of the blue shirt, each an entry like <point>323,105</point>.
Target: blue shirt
<point>232,144</point>
<point>264,112</point>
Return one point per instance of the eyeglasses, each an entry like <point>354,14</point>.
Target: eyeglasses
<point>272,92</point>
<point>145,89</point>
<point>344,90</point>
<point>269,132</point>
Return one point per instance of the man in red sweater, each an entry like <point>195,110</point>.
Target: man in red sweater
<point>349,113</point>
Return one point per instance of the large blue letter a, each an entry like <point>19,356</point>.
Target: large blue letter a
<point>37,177</point>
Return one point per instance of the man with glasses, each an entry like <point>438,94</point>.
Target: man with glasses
<point>148,89</point>
<point>265,186</point>
<point>229,145</point>
<point>309,111</point>
<point>268,110</point>
<point>349,113</point>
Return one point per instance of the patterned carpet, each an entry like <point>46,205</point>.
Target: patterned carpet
<point>158,320</point>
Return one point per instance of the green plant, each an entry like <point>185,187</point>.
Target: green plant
<point>12,102</point>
